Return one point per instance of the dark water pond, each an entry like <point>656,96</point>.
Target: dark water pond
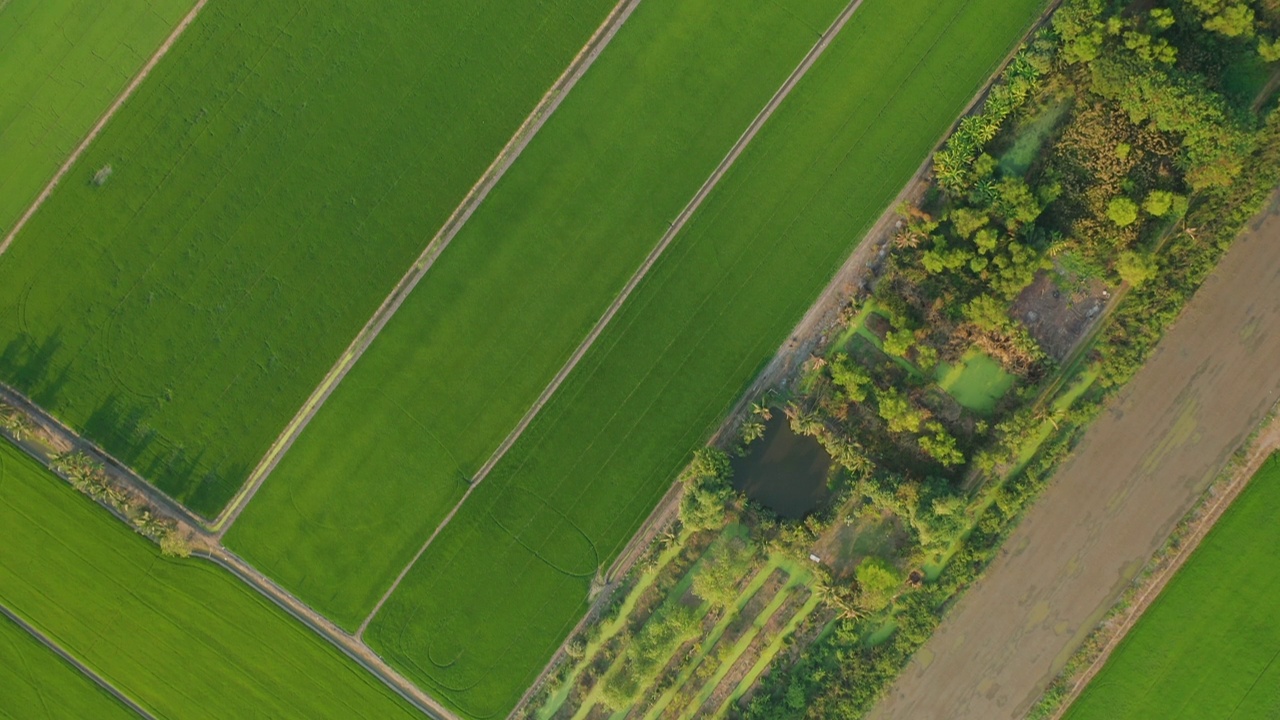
<point>783,471</point>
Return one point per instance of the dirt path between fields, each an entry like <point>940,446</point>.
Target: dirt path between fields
<point>1136,473</point>
<point>79,666</point>
<point>824,41</point>
<point>102,122</point>
<point>1267,442</point>
<point>348,644</point>
<point>578,67</point>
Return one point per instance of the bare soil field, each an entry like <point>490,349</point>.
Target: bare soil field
<point>1138,470</point>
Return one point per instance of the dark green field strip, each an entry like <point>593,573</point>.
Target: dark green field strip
<point>1209,646</point>
<point>274,177</point>
<point>62,63</point>
<point>583,477</point>
<point>36,683</point>
<point>181,637</point>
<point>502,309</point>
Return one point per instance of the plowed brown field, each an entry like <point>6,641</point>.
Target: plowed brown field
<point>1138,470</point>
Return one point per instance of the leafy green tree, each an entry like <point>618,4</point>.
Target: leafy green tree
<point>1122,211</point>
<point>1080,29</point>
<point>1158,203</point>
<point>899,342</point>
<point>898,412</point>
<point>941,445</point>
<point>1269,50</point>
<point>1135,268</point>
<point>878,581</point>
<point>722,569</point>
<point>987,313</point>
<point>967,221</point>
<point>1234,20</point>
<point>852,379</point>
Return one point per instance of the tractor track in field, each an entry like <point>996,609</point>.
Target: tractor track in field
<point>102,121</point>
<point>819,47</point>
<point>73,662</point>
<point>545,108</point>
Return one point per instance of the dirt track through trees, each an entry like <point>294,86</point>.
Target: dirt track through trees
<point>102,121</point>
<point>824,41</point>
<point>1139,469</point>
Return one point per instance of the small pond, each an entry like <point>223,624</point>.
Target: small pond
<point>783,471</point>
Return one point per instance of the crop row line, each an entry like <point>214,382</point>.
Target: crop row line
<point>824,41</point>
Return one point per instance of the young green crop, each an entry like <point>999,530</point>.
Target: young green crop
<point>63,63</point>
<point>182,638</point>
<point>36,682</point>
<point>1207,647</point>
<point>273,178</point>
<point>484,608</point>
<point>466,355</point>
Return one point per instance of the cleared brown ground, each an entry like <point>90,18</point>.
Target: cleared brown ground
<point>1138,470</point>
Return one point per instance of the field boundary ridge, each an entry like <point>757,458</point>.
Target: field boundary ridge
<point>506,157</point>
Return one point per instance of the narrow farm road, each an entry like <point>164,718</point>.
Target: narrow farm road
<point>1139,469</point>
<point>79,666</point>
<point>349,645</point>
<point>102,122</point>
<point>578,67</point>
<point>824,41</point>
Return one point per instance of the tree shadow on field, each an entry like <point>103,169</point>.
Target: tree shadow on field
<point>26,364</point>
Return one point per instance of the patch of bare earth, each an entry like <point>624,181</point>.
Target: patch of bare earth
<point>1058,314</point>
<point>1139,469</point>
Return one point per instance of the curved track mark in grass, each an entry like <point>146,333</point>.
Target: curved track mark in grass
<point>79,666</point>
<point>592,567</point>
<point>824,41</point>
<point>506,157</point>
<point>102,122</point>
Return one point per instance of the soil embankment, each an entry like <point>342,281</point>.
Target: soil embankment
<point>1138,470</point>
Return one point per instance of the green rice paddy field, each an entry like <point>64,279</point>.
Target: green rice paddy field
<point>577,485</point>
<point>1209,647</point>
<point>37,684</point>
<point>183,638</point>
<point>273,178</point>
<point>394,447</point>
<point>63,62</point>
